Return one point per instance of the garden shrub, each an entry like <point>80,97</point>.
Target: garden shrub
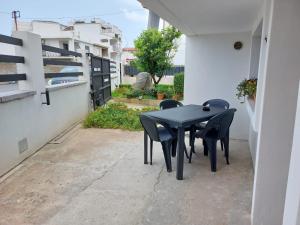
<point>169,93</point>
<point>150,93</point>
<point>168,90</point>
<point>179,83</point>
<point>122,91</point>
<point>128,86</point>
<point>126,91</point>
<point>134,93</point>
<point>116,116</point>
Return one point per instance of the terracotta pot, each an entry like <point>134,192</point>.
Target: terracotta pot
<point>160,96</point>
<point>253,97</point>
<point>176,97</point>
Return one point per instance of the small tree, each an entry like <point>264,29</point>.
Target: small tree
<point>155,50</point>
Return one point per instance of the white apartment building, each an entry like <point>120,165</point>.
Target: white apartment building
<point>97,37</point>
<point>127,55</point>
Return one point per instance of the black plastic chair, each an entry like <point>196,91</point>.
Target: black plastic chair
<point>163,134</point>
<point>169,103</point>
<point>220,103</point>
<point>217,128</point>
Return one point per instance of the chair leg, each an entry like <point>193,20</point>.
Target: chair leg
<point>205,148</point>
<point>226,148</point>
<point>191,153</point>
<point>192,150</point>
<point>151,151</point>
<point>192,138</point>
<point>222,144</point>
<point>174,146</point>
<point>167,156</point>
<point>185,151</point>
<point>145,147</point>
<point>212,146</point>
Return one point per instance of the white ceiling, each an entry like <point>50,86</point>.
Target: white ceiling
<point>194,17</point>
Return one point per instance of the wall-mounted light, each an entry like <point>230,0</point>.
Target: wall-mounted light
<point>238,45</point>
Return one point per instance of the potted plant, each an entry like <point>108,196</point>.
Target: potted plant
<point>247,88</point>
<point>160,92</point>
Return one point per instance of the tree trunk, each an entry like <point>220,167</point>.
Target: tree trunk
<point>156,82</point>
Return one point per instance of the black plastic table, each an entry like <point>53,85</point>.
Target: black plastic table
<point>181,117</point>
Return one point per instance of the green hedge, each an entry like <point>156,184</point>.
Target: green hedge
<point>179,83</point>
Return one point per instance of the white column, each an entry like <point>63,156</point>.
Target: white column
<point>33,66</point>
<point>153,20</point>
<point>279,100</point>
<point>292,200</point>
<point>71,45</point>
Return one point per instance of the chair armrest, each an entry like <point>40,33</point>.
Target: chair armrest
<point>165,125</point>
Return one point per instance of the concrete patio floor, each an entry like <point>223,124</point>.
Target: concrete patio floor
<point>96,176</point>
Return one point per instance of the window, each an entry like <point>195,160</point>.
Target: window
<point>87,49</point>
<point>76,46</point>
<point>66,46</point>
<point>104,52</point>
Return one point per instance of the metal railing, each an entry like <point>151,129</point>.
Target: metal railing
<point>58,62</point>
<point>60,50</point>
<point>11,59</point>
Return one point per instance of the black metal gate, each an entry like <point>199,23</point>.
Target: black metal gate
<point>100,81</point>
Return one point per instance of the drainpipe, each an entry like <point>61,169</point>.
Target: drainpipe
<point>153,20</point>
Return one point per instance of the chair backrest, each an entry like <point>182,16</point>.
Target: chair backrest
<point>169,103</point>
<point>220,103</point>
<point>219,124</point>
<point>149,125</point>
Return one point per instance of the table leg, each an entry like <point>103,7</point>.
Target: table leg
<point>145,147</point>
<point>180,153</point>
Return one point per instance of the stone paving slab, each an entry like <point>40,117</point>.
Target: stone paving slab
<point>97,176</point>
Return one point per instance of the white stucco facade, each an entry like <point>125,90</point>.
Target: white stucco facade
<point>292,201</point>
<point>208,75</point>
<point>280,81</point>
<point>273,132</point>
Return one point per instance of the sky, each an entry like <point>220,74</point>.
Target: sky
<point>128,15</point>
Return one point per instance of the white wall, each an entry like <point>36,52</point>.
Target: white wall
<point>42,28</point>
<point>252,140</point>
<point>179,58</point>
<point>278,96</point>
<point>213,69</point>
<point>88,32</point>
<point>28,118</point>
<point>292,200</point>
<point>255,53</point>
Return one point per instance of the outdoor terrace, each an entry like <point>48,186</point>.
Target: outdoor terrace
<point>97,176</point>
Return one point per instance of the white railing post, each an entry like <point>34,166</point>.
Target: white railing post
<point>33,66</point>
<point>86,69</point>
